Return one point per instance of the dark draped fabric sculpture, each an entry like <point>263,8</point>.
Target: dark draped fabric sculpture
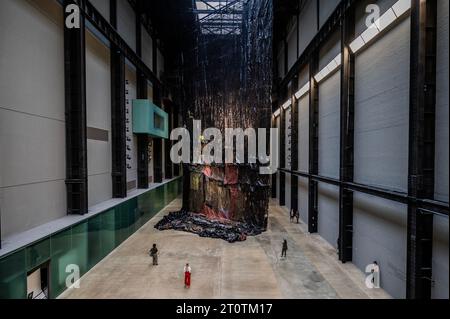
<point>228,84</point>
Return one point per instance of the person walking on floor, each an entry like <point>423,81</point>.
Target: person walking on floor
<point>154,254</point>
<point>285,249</point>
<point>187,276</point>
<point>297,215</point>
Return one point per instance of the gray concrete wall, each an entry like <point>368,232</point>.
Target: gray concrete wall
<point>329,135</point>
<point>441,224</point>
<point>379,234</point>
<point>303,134</point>
<point>328,216</point>
<point>98,98</point>
<point>32,123</point>
<point>381,154</point>
<point>303,199</point>
<point>103,7</point>
<point>126,22</point>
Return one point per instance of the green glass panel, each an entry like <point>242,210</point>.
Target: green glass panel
<point>80,235</point>
<point>62,256</point>
<point>13,276</point>
<point>108,232</point>
<point>119,225</point>
<point>38,254</point>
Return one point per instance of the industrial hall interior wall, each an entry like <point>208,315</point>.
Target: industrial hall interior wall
<point>33,135</point>
<point>381,137</point>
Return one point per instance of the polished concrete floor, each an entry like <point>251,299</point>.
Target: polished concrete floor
<point>250,269</point>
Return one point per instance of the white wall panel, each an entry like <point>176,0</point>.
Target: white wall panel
<point>33,32</point>
<point>441,224</point>
<point>32,128</point>
<point>147,49</point>
<point>379,234</point>
<point>126,22</point>
<point>442,107</point>
<point>303,134</point>
<point>328,213</point>
<point>329,124</point>
<point>382,111</point>
<point>98,98</point>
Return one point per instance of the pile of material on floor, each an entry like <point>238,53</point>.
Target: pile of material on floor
<point>204,226</point>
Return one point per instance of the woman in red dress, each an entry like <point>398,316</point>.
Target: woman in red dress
<point>187,276</point>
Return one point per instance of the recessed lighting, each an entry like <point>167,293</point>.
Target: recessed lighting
<point>385,20</point>
<point>302,91</point>
<point>338,59</point>
<point>287,104</point>
<point>370,33</point>
<point>400,7</point>
<point>318,77</point>
<point>277,113</point>
<point>357,44</point>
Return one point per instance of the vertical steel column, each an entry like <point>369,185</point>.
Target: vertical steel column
<point>313,145</point>
<point>421,147</point>
<point>294,145</point>
<point>142,93</point>
<point>118,125</point>
<point>75,105</point>
<point>345,242</point>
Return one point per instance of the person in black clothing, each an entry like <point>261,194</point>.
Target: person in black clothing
<point>285,248</point>
<point>154,254</point>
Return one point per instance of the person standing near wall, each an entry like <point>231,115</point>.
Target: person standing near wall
<point>187,276</point>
